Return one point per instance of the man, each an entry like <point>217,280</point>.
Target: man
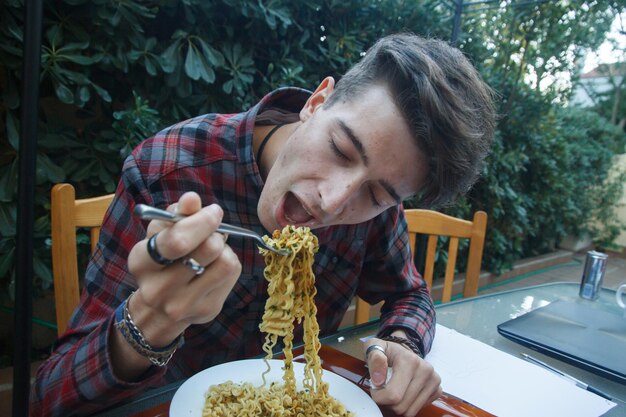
<point>413,117</point>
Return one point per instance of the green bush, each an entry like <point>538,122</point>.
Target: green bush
<point>547,175</point>
<point>114,73</point>
<point>547,179</point>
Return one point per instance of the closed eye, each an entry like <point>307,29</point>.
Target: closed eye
<point>373,198</point>
<point>337,151</point>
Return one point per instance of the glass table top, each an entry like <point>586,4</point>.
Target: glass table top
<point>479,316</point>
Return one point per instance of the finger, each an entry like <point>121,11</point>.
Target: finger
<point>423,383</point>
<point>178,240</point>
<point>204,296</point>
<point>187,234</point>
<point>184,297</point>
<point>209,250</point>
<point>139,260</point>
<point>217,282</point>
<point>436,394</point>
<point>188,204</point>
<point>169,281</point>
<point>404,365</point>
<point>378,365</point>
<point>429,395</point>
<point>413,397</point>
<point>191,266</point>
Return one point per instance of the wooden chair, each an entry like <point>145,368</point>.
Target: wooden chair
<point>67,214</point>
<point>435,224</point>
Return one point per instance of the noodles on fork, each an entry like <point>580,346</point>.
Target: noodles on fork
<point>291,291</point>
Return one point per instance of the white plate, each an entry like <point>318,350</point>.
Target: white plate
<point>188,400</point>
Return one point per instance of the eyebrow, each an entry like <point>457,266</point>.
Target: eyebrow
<point>358,144</point>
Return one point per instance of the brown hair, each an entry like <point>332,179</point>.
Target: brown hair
<point>447,106</point>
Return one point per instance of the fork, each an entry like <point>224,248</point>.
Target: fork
<point>152,213</point>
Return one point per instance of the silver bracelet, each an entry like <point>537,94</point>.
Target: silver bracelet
<point>133,335</point>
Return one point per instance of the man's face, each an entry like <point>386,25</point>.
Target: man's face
<point>343,164</point>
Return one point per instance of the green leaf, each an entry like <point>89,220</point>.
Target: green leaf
<point>51,171</point>
<point>63,93</point>
<point>54,35</point>
<point>17,32</point>
<point>102,92</point>
<point>134,55</point>
<point>42,271</point>
<point>206,73</point>
<point>192,63</point>
<point>74,46</point>
<point>8,216</point>
<point>179,34</point>
<point>11,95</point>
<point>213,56</point>
<point>58,141</point>
<point>84,94</point>
<point>42,224</point>
<point>150,44</point>
<point>83,60</point>
<point>228,87</point>
<point>85,172</point>
<point>104,175</point>
<point>150,67</point>
<point>8,182</point>
<point>12,131</point>
<point>169,57</point>
<point>6,261</point>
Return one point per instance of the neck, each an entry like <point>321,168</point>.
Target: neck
<point>272,146</point>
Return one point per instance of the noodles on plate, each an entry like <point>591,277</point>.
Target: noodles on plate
<point>291,291</point>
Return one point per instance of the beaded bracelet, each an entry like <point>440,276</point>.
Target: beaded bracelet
<point>133,335</point>
<point>407,343</point>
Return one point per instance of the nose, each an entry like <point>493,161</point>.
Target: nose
<point>338,194</point>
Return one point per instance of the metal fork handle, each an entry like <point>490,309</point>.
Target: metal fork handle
<point>152,213</point>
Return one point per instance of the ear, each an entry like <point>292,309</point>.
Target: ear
<point>319,97</point>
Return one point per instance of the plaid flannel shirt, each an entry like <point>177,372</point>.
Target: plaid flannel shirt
<point>213,156</point>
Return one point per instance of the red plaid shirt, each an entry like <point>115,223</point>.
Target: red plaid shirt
<point>213,156</point>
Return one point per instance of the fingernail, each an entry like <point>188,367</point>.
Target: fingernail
<point>215,209</point>
<point>378,378</point>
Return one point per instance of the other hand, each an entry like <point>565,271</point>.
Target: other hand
<point>413,384</point>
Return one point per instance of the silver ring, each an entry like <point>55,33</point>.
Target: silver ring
<point>193,265</point>
<point>374,347</point>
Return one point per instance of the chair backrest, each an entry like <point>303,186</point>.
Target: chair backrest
<point>67,214</point>
<point>435,224</point>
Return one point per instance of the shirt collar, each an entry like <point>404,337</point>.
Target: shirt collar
<point>291,99</point>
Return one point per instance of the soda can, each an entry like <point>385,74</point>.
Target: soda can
<point>593,274</point>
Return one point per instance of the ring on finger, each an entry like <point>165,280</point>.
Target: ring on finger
<point>154,252</point>
<point>374,347</point>
<point>193,265</point>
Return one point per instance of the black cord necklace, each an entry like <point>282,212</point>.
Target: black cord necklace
<point>265,140</point>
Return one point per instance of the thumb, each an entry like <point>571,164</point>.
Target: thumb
<point>377,365</point>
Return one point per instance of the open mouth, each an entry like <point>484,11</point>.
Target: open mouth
<point>295,213</point>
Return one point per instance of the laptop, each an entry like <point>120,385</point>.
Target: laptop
<point>574,332</point>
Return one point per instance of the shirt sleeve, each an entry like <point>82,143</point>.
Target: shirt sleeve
<point>78,377</point>
<point>389,275</point>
